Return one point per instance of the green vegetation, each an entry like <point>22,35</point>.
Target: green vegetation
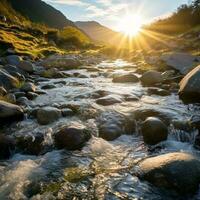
<point>25,37</point>
<point>186,17</point>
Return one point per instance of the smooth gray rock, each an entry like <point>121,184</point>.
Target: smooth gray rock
<point>13,60</point>
<point>10,112</point>
<point>72,137</point>
<point>151,78</point>
<point>109,100</point>
<point>190,86</point>
<point>154,131</point>
<point>183,62</point>
<point>176,171</point>
<point>27,66</point>
<point>48,115</point>
<point>28,87</point>
<point>111,125</point>
<point>7,81</point>
<point>127,78</point>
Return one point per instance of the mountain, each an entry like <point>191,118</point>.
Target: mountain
<point>98,32</point>
<point>40,12</point>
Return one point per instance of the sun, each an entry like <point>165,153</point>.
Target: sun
<point>130,25</point>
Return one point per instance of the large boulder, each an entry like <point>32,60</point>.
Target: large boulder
<point>10,112</point>
<point>111,125</point>
<point>183,62</point>
<point>151,77</point>
<point>127,78</point>
<point>26,66</point>
<point>154,131</point>
<point>7,145</point>
<point>48,115</point>
<point>176,171</point>
<point>72,137</point>
<point>190,86</point>
<point>7,81</point>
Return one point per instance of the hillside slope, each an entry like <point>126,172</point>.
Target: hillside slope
<point>19,35</point>
<point>98,32</point>
<point>40,12</point>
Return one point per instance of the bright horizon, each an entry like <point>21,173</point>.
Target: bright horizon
<point>111,13</point>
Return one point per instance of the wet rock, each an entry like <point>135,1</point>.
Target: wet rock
<point>154,131</point>
<point>189,86</point>
<point>99,93</point>
<point>32,145</point>
<point>183,62</point>
<point>130,97</point>
<point>19,94</point>
<point>10,112</point>
<point>16,72</point>
<point>28,87</point>
<point>13,60</point>
<point>48,86</point>
<point>7,146</point>
<point>26,66</point>
<point>127,78</point>
<point>168,74</point>
<point>150,78</point>
<point>176,171</point>
<point>48,115</point>
<point>2,91</point>
<point>67,112</point>
<point>109,100</point>
<point>72,137</point>
<point>158,91</point>
<point>40,92</point>
<point>7,81</point>
<point>111,125</point>
<point>23,101</point>
<point>32,95</point>
<point>142,114</point>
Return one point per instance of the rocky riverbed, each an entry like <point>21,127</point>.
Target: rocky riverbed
<point>88,127</point>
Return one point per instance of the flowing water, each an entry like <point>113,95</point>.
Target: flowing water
<point>101,170</point>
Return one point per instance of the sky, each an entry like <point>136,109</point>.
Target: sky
<point>110,12</point>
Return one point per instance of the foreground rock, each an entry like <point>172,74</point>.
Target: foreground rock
<point>127,78</point>
<point>111,125</point>
<point>10,112</point>
<point>176,171</point>
<point>183,62</point>
<point>151,78</point>
<point>72,137</point>
<point>190,86</point>
<point>7,145</point>
<point>48,115</point>
<point>153,131</point>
